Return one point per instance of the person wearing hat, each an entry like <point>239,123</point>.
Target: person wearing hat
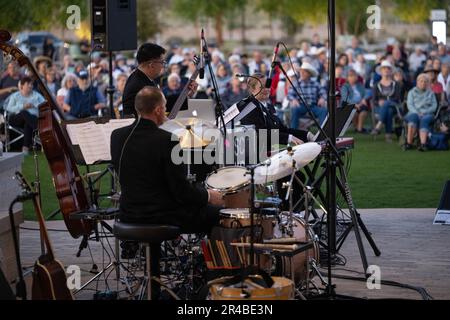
<point>313,93</point>
<point>386,97</point>
<point>151,65</point>
<point>42,63</point>
<point>120,66</point>
<point>83,100</point>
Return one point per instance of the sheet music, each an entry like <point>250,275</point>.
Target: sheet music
<point>95,139</point>
<point>74,129</point>
<point>230,113</point>
<point>233,113</point>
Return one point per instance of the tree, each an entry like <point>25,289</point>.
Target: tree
<point>192,10</point>
<point>414,11</point>
<point>13,17</point>
<point>149,19</point>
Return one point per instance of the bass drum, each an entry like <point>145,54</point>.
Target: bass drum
<point>299,261</point>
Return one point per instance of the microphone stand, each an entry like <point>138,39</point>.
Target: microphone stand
<point>332,160</point>
<point>219,104</point>
<point>21,288</point>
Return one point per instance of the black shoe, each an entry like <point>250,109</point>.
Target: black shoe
<point>407,146</point>
<point>362,131</point>
<point>422,148</point>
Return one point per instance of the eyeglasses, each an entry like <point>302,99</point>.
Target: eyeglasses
<point>163,62</point>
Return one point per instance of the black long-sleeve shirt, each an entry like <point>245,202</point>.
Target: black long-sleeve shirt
<point>153,186</point>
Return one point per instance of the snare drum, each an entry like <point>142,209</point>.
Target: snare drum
<point>233,183</point>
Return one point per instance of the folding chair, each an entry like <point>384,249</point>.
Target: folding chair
<point>9,128</point>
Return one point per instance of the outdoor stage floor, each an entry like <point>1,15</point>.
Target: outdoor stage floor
<point>413,252</point>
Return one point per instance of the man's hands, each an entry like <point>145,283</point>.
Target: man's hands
<point>216,198</point>
<point>322,102</point>
<point>99,106</point>
<point>12,89</point>
<point>27,106</point>
<point>296,141</point>
<point>295,103</point>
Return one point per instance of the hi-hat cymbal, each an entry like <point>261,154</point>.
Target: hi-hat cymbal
<point>190,131</point>
<point>281,164</point>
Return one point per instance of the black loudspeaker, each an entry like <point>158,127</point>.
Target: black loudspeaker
<point>114,25</point>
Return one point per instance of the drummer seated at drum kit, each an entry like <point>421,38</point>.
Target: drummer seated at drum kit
<point>264,117</point>
<point>154,190</point>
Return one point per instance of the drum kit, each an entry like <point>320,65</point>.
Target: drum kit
<point>282,232</point>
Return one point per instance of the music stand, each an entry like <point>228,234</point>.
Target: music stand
<point>344,118</point>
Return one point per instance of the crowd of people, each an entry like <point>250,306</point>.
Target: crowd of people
<point>407,88</point>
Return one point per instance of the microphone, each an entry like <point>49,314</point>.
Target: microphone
<point>202,56</point>
<point>272,66</point>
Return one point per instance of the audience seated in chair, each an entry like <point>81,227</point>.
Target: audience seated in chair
<point>422,105</point>
<point>23,110</point>
<point>386,99</point>
<point>84,100</point>
<point>353,92</point>
<point>314,94</point>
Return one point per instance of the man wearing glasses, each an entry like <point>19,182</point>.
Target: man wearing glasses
<point>151,65</point>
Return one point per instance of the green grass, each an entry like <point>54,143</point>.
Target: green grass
<point>381,176</point>
<point>48,195</point>
<point>384,176</point>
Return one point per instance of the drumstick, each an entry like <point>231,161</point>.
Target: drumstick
<point>266,246</point>
<point>240,256</point>
<point>212,254</point>
<point>225,254</point>
<point>283,240</point>
<point>243,253</point>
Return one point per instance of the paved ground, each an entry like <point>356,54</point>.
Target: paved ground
<point>414,252</point>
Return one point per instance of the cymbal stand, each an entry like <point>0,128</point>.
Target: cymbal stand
<point>37,185</point>
<point>190,177</point>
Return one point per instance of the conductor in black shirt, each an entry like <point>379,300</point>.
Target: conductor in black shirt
<point>151,65</point>
<point>154,189</point>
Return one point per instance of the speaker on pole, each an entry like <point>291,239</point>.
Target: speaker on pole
<point>114,25</point>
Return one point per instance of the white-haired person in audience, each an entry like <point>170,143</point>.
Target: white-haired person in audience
<point>173,86</point>
<point>69,81</point>
<point>421,107</point>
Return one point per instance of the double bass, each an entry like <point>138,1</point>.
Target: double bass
<point>68,183</point>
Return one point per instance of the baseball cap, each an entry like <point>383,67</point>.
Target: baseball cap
<point>83,74</point>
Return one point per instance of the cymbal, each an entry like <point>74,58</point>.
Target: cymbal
<point>281,164</point>
<point>190,131</point>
